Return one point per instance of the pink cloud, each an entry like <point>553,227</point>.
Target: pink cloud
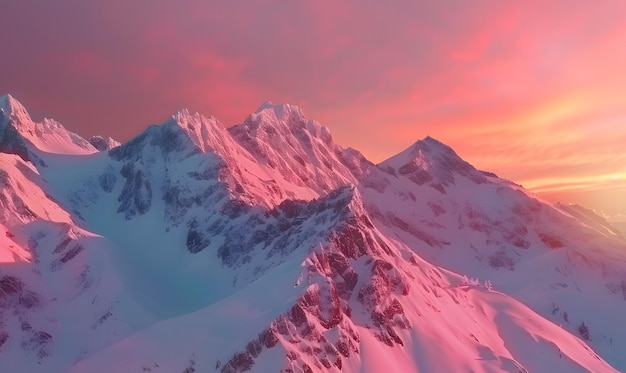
<point>527,90</point>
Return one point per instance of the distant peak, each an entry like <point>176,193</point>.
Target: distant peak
<point>429,159</point>
<point>430,142</point>
<point>6,100</point>
<point>183,116</point>
<point>13,109</point>
<point>434,150</point>
<point>102,143</point>
<point>265,105</point>
<point>182,113</point>
<point>280,111</point>
<point>284,119</point>
<point>429,139</point>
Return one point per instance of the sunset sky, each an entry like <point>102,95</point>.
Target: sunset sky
<point>534,91</point>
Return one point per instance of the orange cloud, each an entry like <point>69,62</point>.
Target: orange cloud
<point>533,91</point>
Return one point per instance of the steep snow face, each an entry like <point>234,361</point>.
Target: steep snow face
<point>554,259</point>
<point>22,200</point>
<point>20,135</point>
<point>238,170</point>
<point>12,110</point>
<point>66,302</point>
<point>58,283</point>
<point>207,133</point>
<point>300,151</point>
<point>10,140</point>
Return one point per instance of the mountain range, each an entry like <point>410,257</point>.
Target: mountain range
<point>267,247</point>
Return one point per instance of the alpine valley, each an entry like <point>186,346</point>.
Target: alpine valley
<point>267,247</point>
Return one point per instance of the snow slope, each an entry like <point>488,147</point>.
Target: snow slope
<point>19,134</point>
<point>268,247</point>
<point>562,261</point>
<point>57,281</point>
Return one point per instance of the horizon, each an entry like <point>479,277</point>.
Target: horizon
<point>531,92</point>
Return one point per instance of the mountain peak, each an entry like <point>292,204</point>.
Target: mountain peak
<point>19,134</point>
<point>280,111</point>
<point>185,133</point>
<point>184,117</point>
<point>13,109</point>
<point>284,112</point>
<point>103,143</point>
<point>266,105</point>
<point>431,146</point>
<point>207,133</point>
<point>427,152</point>
<point>430,161</point>
<point>299,150</point>
<point>282,119</point>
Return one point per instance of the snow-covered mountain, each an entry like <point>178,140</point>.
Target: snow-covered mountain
<point>102,143</point>
<point>268,247</point>
<point>20,135</point>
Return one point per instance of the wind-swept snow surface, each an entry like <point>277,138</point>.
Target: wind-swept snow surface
<point>267,247</point>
